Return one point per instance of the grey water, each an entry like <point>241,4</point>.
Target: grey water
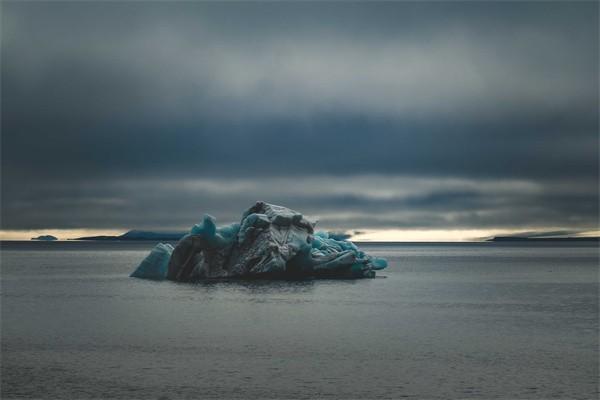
<point>444,321</point>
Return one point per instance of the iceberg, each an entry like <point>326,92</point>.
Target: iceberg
<point>270,242</point>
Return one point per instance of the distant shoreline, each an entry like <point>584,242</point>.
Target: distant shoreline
<point>135,235</point>
<point>499,239</point>
<point>149,236</point>
<point>536,239</point>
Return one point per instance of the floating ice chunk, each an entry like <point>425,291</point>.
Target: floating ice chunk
<point>269,242</point>
<point>155,265</point>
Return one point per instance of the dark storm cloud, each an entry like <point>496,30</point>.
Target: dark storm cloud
<point>97,94</point>
<point>335,201</point>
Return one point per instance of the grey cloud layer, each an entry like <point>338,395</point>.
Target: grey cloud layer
<point>94,93</point>
<point>381,202</point>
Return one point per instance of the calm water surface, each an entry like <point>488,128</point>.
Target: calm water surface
<point>443,321</point>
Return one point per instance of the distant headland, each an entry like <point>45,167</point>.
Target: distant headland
<point>542,239</point>
<point>45,237</point>
<point>139,235</point>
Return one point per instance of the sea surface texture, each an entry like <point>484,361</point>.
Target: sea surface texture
<point>444,321</point>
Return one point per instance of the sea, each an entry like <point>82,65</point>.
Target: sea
<point>443,321</point>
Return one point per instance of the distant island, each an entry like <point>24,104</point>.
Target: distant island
<point>139,235</point>
<point>45,237</point>
<point>542,239</point>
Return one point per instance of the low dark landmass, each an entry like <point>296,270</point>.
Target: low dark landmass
<point>169,236</point>
<point>45,237</point>
<point>539,239</point>
<point>139,235</point>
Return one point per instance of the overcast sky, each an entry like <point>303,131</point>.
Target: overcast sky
<point>365,116</point>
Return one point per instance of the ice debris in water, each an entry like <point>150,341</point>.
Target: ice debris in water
<point>270,242</point>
